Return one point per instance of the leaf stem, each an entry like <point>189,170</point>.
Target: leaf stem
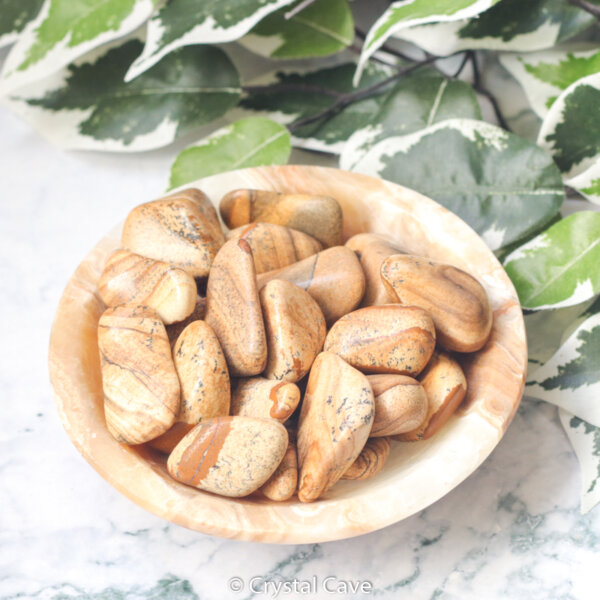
<point>291,87</point>
<point>299,8</point>
<point>590,8</point>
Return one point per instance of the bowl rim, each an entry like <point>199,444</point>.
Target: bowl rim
<point>248,519</point>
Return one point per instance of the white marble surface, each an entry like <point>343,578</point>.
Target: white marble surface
<point>511,531</point>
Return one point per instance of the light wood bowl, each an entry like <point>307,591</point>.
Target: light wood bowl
<point>416,474</point>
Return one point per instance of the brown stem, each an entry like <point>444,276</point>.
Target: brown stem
<point>593,9</point>
<point>291,87</point>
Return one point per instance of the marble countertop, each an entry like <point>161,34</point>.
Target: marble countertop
<point>512,530</point>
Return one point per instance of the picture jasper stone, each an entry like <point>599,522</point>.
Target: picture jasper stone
<point>335,422</point>
<point>141,388</point>
<point>275,246</point>
<point>174,330</point>
<point>384,339</point>
<point>233,309</point>
<point>400,404</point>
<point>132,279</point>
<point>283,483</point>
<point>230,456</point>
<point>333,277</point>
<point>318,216</point>
<point>371,460</point>
<point>295,329</point>
<point>182,229</point>
<point>203,375</point>
<point>264,398</point>
<point>372,250</point>
<point>455,300</point>
<point>445,385</point>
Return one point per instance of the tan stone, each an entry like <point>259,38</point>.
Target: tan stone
<point>264,398</point>
<point>141,389</point>
<point>384,339</point>
<point>335,422</point>
<point>333,277</point>
<point>133,279</point>
<point>230,456</point>
<point>445,385</point>
<point>174,330</point>
<point>233,309</point>
<point>274,246</point>
<point>295,329</point>
<point>455,300</point>
<point>282,484</point>
<point>400,404</point>
<point>181,229</point>
<point>318,216</point>
<point>370,461</point>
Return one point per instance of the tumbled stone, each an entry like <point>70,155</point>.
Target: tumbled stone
<point>333,277</point>
<point>233,309</point>
<point>174,330</point>
<point>370,461</point>
<point>384,339</point>
<point>283,483</point>
<point>264,398</point>
<point>141,388</point>
<point>335,422</point>
<point>230,456</point>
<point>181,229</point>
<point>455,300</point>
<point>295,329</point>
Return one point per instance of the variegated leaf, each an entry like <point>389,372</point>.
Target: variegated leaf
<point>509,25</point>
<point>418,100</point>
<point>187,22</point>
<point>571,132</point>
<point>404,14</point>
<point>504,186</point>
<point>561,266</point>
<point>545,75</point>
<point>65,30</point>
<point>89,106</point>
<point>323,28</point>
<point>14,16</point>
<point>297,95</point>
<point>250,142</point>
<point>585,439</point>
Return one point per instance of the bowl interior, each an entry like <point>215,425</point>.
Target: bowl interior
<point>416,475</point>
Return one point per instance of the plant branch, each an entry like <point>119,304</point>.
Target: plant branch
<point>590,8</point>
<point>361,35</point>
<point>277,88</point>
<point>299,8</point>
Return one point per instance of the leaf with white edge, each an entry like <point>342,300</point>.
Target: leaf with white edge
<point>250,142</point>
<point>560,267</point>
<point>585,439</point>
<point>509,25</point>
<point>571,377</point>
<point>89,106</point>
<point>294,94</point>
<point>65,30</point>
<point>14,16</point>
<point>545,75</point>
<point>502,185</point>
<point>187,22</point>
<point>325,27</point>
<point>410,13</point>
<point>418,100</point>
<point>587,183</point>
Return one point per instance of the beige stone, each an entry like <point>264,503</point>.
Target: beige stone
<point>264,398</point>
<point>181,229</point>
<point>174,330</point>
<point>283,483</point>
<point>384,339</point>
<point>141,389</point>
<point>335,422</point>
<point>370,461</point>
<point>230,456</point>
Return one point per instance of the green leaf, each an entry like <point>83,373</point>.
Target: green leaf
<point>323,28</point>
<point>418,100</point>
<point>509,25</point>
<point>402,14</point>
<point>585,439</point>
<point>186,22</point>
<point>65,30</point>
<point>90,106</point>
<point>502,185</point>
<point>250,142</point>
<point>560,267</point>
<point>14,16</point>
<point>297,96</point>
<point>545,75</point>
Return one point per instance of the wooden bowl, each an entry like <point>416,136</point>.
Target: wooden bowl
<point>416,474</point>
